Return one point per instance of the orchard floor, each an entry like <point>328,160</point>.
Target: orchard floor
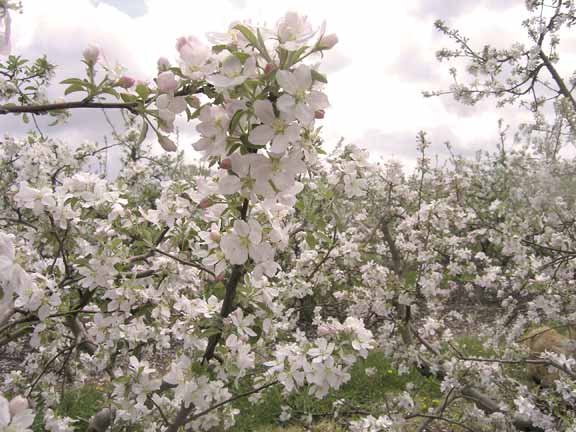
<point>363,394</point>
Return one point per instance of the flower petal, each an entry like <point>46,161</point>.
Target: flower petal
<point>264,110</point>
<point>261,135</point>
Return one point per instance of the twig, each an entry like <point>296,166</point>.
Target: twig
<point>184,417</point>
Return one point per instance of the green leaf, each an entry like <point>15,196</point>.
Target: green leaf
<point>128,98</point>
<point>195,114</point>
<point>110,91</point>
<point>296,54</point>
<point>74,88</point>
<point>124,379</point>
<point>143,132</point>
<point>283,55</point>
<point>241,56</point>
<point>210,331</point>
<point>247,33</point>
<point>252,84</point>
<point>311,240</point>
<point>72,201</point>
<point>317,76</point>
<point>235,120</point>
<point>233,147</point>
<point>143,91</point>
<point>216,49</point>
<point>72,81</point>
<point>115,243</point>
<point>263,50</point>
<point>188,114</point>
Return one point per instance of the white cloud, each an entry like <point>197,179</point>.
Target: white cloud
<point>384,60</point>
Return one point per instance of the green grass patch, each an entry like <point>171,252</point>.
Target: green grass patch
<point>79,404</point>
<point>362,391</point>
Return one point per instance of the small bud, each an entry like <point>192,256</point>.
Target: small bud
<point>215,236</point>
<point>219,278</point>
<point>17,405</point>
<point>180,42</point>
<point>328,41</point>
<point>166,143</point>
<point>204,203</point>
<point>167,82</point>
<point>319,114</point>
<point>269,68</point>
<point>226,164</point>
<point>194,101</point>
<point>163,64</point>
<point>126,82</point>
<point>91,54</point>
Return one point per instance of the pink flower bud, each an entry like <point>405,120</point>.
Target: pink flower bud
<point>166,82</point>
<point>226,164</point>
<point>180,42</point>
<point>194,101</point>
<point>91,54</point>
<point>126,82</point>
<point>269,68</point>
<point>204,203</point>
<point>328,41</point>
<point>220,277</point>
<point>319,114</point>
<point>166,143</point>
<point>17,405</point>
<point>163,64</point>
<point>215,236</point>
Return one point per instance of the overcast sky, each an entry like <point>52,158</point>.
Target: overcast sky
<point>384,60</point>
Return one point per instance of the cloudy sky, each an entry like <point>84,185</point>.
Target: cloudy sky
<point>384,60</point>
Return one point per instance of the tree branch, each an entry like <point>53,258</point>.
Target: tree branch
<point>43,109</point>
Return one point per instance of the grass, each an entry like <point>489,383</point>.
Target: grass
<point>362,392</point>
<point>80,404</point>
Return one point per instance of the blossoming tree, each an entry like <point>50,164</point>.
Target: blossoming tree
<point>182,290</point>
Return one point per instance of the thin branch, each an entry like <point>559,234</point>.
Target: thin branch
<point>431,417</point>
<point>45,369</point>
<point>326,256</point>
<point>185,417</point>
<point>42,109</point>
<point>184,262</point>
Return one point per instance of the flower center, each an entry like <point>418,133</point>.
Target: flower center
<point>279,126</point>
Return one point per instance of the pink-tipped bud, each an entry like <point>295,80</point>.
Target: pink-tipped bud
<point>166,143</point>
<point>204,203</point>
<point>319,114</point>
<point>269,68</point>
<point>219,278</point>
<point>17,405</point>
<point>194,101</point>
<point>328,41</point>
<point>215,236</point>
<point>226,164</point>
<point>180,42</point>
<point>126,82</point>
<point>167,82</point>
<point>163,64</point>
<point>91,54</point>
